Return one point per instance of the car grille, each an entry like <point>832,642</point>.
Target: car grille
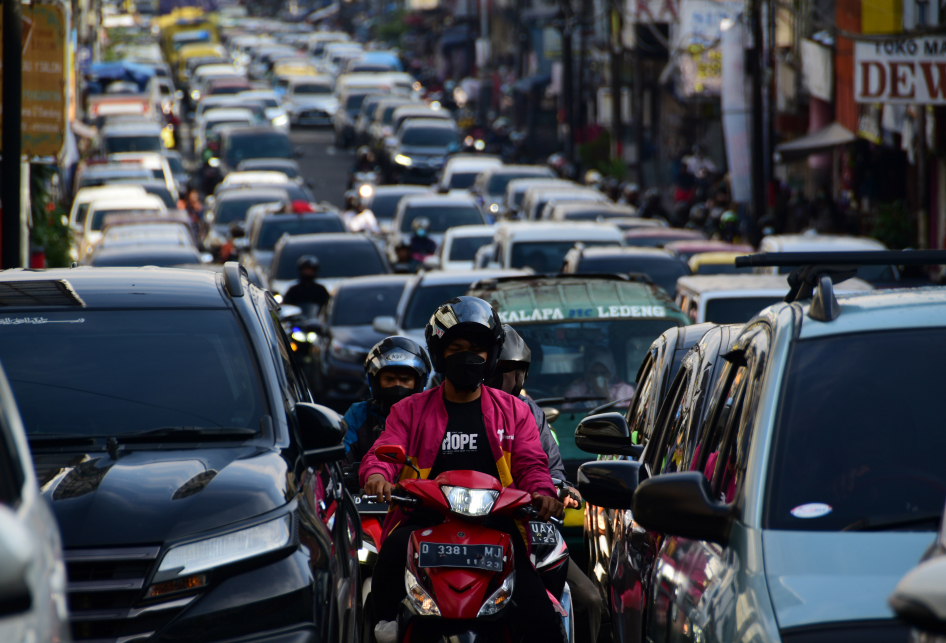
<point>313,113</point>
<point>105,595</point>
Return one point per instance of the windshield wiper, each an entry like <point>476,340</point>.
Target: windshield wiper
<point>186,434</point>
<point>568,400</point>
<point>884,523</point>
<point>59,438</point>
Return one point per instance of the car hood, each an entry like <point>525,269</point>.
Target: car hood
<point>416,150</point>
<point>361,335</point>
<point>819,577</point>
<point>148,496</point>
<point>323,102</point>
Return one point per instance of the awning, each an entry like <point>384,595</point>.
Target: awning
<point>825,139</point>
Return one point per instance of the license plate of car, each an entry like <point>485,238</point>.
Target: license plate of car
<point>543,533</point>
<point>476,556</point>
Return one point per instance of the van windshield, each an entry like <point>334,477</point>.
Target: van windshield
<point>546,256</point>
<point>195,369</point>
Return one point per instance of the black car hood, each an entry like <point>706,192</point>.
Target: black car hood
<point>150,496</point>
<point>417,150</point>
<point>357,335</point>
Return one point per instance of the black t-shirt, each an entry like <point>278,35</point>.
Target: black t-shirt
<point>311,292</point>
<point>465,445</point>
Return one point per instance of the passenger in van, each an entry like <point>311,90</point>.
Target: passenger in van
<point>601,380</point>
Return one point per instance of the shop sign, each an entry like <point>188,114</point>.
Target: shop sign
<point>701,62</point>
<point>904,71</point>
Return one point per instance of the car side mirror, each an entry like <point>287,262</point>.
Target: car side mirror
<point>551,413</point>
<point>609,483</point>
<point>321,430</point>
<point>681,504</point>
<point>432,262</point>
<point>16,553</point>
<point>606,434</point>
<point>392,453</point>
<point>288,311</point>
<point>918,597</point>
<point>385,325</point>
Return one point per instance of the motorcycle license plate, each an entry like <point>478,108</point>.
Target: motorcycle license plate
<point>475,556</point>
<point>543,533</point>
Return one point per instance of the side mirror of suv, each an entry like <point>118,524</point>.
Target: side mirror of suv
<point>322,430</point>
<point>16,552</point>
<point>385,324</point>
<point>915,600</point>
<point>606,434</point>
<point>609,483</point>
<point>681,504</point>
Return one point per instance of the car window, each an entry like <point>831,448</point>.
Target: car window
<point>736,310</point>
<point>359,306</point>
<point>294,377</point>
<point>858,439</point>
<point>177,167</point>
<point>662,272</point>
<point>384,206</point>
<point>545,256</point>
<point>429,136</point>
<point>352,259</point>
<point>464,248</point>
<point>425,299</point>
<point>258,146</point>
<point>146,143</point>
<point>11,469</point>
<point>442,218</point>
<point>462,180</point>
<point>272,229</point>
<point>312,89</point>
<point>232,210</point>
<point>640,405</point>
<point>674,420</point>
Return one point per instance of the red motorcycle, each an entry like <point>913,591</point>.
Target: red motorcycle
<point>460,574</point>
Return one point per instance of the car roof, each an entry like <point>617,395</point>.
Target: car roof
<point>557,297</point>
<point>713,258</point>
<point>470,231</point>
<point>248,130</point>
<point>400,189</point>
<point>368,281</point>
<point>323,238</point>
<point>251,192</point>
<point>135,128</point>
<point>256,176</point>
<point>93,192</point>
<point>226,112</point>
<point>880,310</point>
<point>466,163</point>
<point>560,230</point>
<point>321,79</point>
<point>818,243</point>
<point>680,233</point>
<point>146,201</point>
<point>430,200</point>
<point>629,251</point>
<point>444,277</point>
<point>569,207</point>
<point>702,284</point>
<point>540,170</point>
<point>444,123</point>
<point>267,162</point>
<point>707,245</point>
<point>145,249</point>
<point>90,288</point>
<point>292,216</point>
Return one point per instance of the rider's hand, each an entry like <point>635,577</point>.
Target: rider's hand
<point>570,501</point>
<point>547,506</point>
<point>378,487</point>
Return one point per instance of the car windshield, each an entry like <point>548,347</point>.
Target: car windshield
<point>160,258</point>
<point>721,269</point>
<point>312,88</point>
<point>568,358</point>
<point>232,210</point>
<point>863,455</point>
<point>353,102</point>
<point>546,256</point>
<point>272,229</point>
<point>338,259</point>
<point>98,216</point>
<point>736,310</point>
<point>259,145</point>
<point>429,137</point>
<point>663,272</point>
<point>359,306</point>
<point>443,217</point>
<point>425,300</point>
<point>498,182</point>
<point>162,193</point>
<point>384,206</point>
<point>118,371</point>
<point>464,248</point>
<point>144,143</point>
<point>177,167</point>
<point>462,180</point>
<point>227,90</point>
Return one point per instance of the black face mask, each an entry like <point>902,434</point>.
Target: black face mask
<point>391,395</point>
<point>465,370</point>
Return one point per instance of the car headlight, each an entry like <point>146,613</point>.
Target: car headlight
<point>195,95</point>
<point>228,548</point>
<point>419,598</point>
<point>494,208</point>
<point>400,159</point>
<point>365,190</point>
<point>470,502</point>
<point>498,599</point>
<point>346,352</point>
<point>281,120</point>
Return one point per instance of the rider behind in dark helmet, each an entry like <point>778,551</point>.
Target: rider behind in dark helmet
<point>307,291</point>
<point>495,434</point>
<point>422,245</point>
<point>396,368</point>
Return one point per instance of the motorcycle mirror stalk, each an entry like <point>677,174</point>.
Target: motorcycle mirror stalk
<point>394,454</point>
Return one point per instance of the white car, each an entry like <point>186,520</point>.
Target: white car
<point>218,117</point>
<point>460,245</point>
<point>274,111</point>
<point>157,163</point>
<point>542,246</point>
<point>85,197</point>
<point>254,177</point>
<point>812,242</point>
<point>461,170</point>
<point>32,572</point>
<point>309,100</point>
<point>146,205</point>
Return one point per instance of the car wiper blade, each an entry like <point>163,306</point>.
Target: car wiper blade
<point>883,523</point>
<point>60,438</point>
<point>567,400</point>
<point>186,434</point>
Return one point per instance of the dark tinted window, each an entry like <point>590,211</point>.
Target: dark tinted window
<point>864,451</point>
<point>339,259</point>
<point>177,167</point>
<point>226,90</point>
<point>425,299</point>
<point>145,143</point>
<point>651,242</point>
<point>162,193</point>
<point>258,145</point>
<point>663,272</point>
<point>311,89</point>
<point>161,258</point>
<point>384,206</point>
<point>98,217</point>
<point>119,371</point>
<point>359,306</point>
<point>462,180</point>
<point>498,182</point>
<point>429,137</point>
<point>464,248</point>
<point>545,256</point>
<point>354,102</point>
<point>721,269</point>
<point>272,229</point>
<point>232,210</point>
<point>736,310</point>
<point>442,217</point>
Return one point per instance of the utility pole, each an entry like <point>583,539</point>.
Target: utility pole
<point>11,256</point>
<point>638,102</point>
<point>759,160</point>
<point>568,99</point>
<point>617,54</point>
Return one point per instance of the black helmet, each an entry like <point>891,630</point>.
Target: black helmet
<point>396,352</point>
<point>308,261</point>
<point>364,153</point>
<point>652,195</point>
<point>515,356</point>
<point>464,316</point>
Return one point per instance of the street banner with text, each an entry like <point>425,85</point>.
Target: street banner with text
<point>911,70</point>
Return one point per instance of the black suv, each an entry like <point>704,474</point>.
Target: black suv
<point>195,483</point>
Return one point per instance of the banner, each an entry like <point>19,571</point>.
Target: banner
<point>901,71</point>
<point>735,115</point>
<point>701,68</point>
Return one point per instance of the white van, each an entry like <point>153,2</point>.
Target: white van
<point>542,246</point>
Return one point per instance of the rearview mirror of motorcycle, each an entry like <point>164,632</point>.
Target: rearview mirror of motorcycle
<point>393,453</point>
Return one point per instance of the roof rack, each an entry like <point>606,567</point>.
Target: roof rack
<point>815,273</point>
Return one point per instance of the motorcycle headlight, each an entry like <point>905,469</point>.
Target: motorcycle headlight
<point>470,502</point>
<point>346,352</point>
<point>281,121</point>
<point>298,335</point>
<point>365,191</point>
<point>400,159</point>
<point>494,208</point>
<point>228,548</point>
<point>195,95</point>
<point>498,599</point>
<point>419,598</point>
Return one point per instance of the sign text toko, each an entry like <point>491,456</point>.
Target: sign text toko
<point>901,71</point>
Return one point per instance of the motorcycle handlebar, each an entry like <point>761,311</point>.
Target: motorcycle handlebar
<point>530,512</point>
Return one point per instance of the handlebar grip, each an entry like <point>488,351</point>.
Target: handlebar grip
<point>406,501</point>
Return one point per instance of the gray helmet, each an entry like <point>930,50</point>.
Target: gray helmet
<point>397,352</point>
<point>515,357</point>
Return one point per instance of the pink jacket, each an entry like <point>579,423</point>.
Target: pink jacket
<point>419,422</point>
